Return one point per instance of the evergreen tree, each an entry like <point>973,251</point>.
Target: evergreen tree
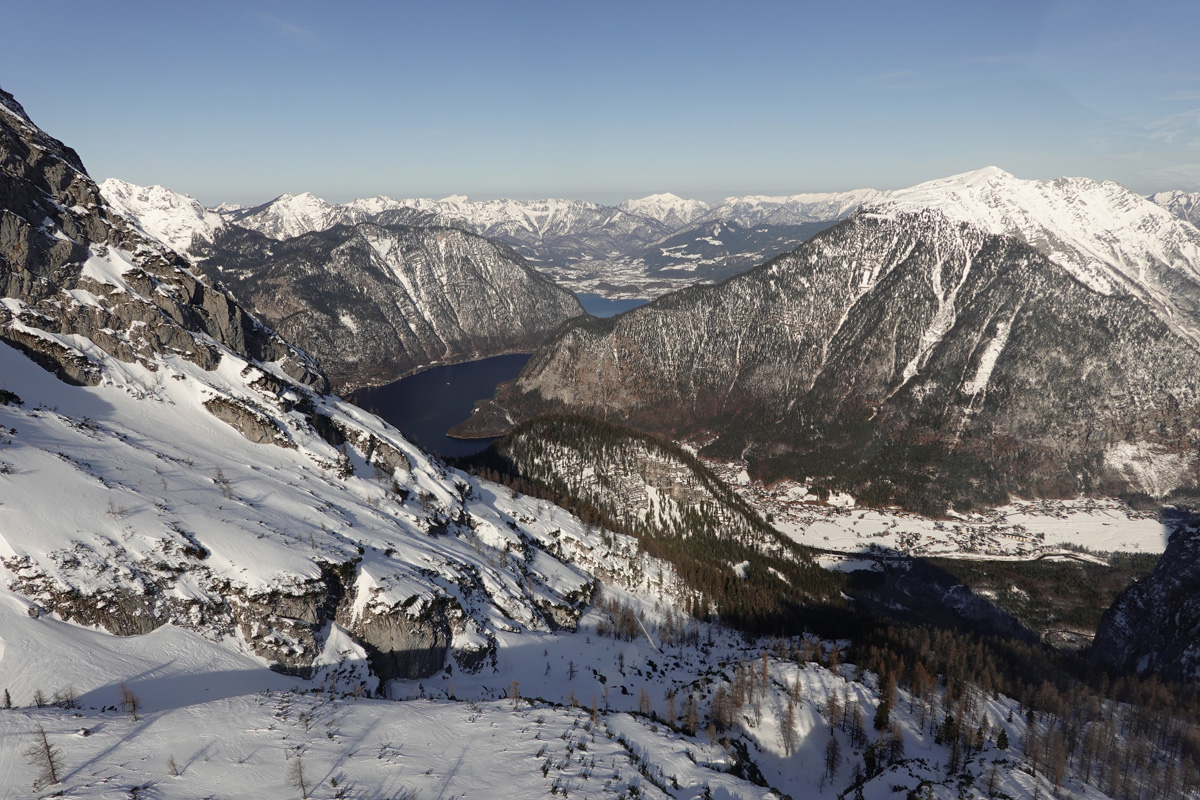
<point>882,716</point>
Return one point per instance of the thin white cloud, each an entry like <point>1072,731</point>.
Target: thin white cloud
<point>1179,130</point>
<point>285,28</point>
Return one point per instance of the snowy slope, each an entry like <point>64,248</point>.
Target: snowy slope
<point>669,209</point>
<point>581,713</point>
<point>172,218</point>
<point>1112,240</point>
<point>1184,205</point>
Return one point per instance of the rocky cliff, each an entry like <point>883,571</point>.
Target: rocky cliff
<point>69,266</point>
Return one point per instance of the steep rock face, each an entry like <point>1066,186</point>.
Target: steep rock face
<point>211,484</point>
<point>71,267</point>
<point>1154,627</point>
<point>374,302</point>
<point>908,356</point>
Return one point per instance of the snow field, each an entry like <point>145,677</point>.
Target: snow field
<point>1021,530</point>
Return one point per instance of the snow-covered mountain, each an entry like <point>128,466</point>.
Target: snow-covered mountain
<point>174,219</point>
<point>1185,205</point>
<point>1110,239</point>
<point>921,358</point>
<point>671,210</point>
<point>542,229</point>
<point>797,209</point>
<point>212,574</point>
<point>292,215</point>
<point>376,302</point>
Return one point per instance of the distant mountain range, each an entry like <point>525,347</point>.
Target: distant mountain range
<point>640,248</point>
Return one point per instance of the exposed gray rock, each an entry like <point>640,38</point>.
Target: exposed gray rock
<point>255,425</point>
<point>286,625</point>
<point>406,645</point>
<point>53,220</point>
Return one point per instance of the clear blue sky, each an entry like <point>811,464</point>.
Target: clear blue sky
<point>242,101</point>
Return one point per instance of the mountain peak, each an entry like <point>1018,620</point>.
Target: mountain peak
<point>10,103</point>
<point>1113,241</point>
<point>172,218</point>
<point>982,175</point>
<point>307,197</point>
<point>661,197</point>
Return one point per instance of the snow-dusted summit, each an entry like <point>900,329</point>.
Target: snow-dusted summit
<point>1185,205</point>
<point>1113,241</point>
<point>175,219</point>
<point>671,210</point>
<point>291,215</point>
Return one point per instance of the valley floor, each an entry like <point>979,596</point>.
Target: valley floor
<point>1022,530</point>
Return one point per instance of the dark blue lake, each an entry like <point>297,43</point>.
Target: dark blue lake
<point>600,306</point>
<point>426,405</point>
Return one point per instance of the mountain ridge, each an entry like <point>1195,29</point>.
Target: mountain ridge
<point>377,302</point>
<point>901,342</point>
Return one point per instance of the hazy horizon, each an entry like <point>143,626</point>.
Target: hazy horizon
<point>240,103</point>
